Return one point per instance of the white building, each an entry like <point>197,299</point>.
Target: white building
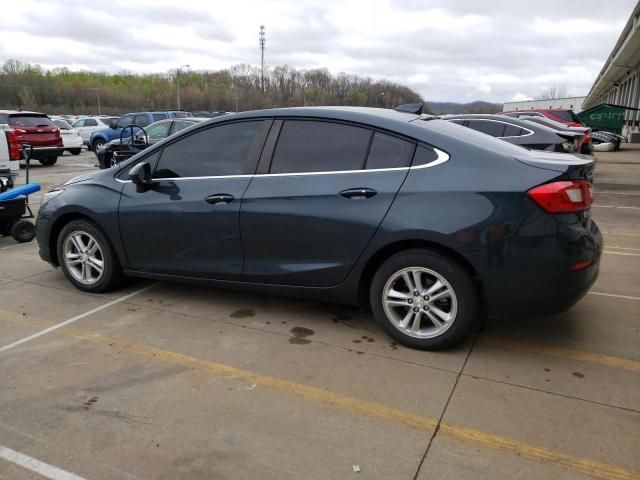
<point>569,103</point>
<point>618,82</point>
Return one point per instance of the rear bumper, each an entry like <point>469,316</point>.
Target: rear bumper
<point>532,275</point>
<point>40,153</point>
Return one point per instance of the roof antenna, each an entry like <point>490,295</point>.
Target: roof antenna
<point>410,108</point>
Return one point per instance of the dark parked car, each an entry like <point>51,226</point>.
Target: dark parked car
<point>142,139</point>
<point>560,115</point>
<point>428,222</point>
<point>519,132</point>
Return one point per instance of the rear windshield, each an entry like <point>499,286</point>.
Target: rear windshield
<point>30,121</point>
<point>566,115</point>
<point>62,124</point>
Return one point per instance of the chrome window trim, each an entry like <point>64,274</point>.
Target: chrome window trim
<point>442,158</point>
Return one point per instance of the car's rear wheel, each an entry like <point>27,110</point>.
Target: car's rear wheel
<point>75,151</point>
<point>87,258</point>
<point>424,300</point>
<point>47,162</point>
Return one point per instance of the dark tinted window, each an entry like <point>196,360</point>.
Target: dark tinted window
<point>566,115</point>
<point>124,121</point>
<point>220,150</point>
<point>3,119</point>
<point>90,122</point>
<point>389,152</point>
<point>158,116</point>
<point>512,131</point>
<point>143,120</point>
<point>62,124</point>
<point>423,156</point>
<point>30,121</point>
<point>459,121</point>
<point>495,129</point>
<point>312,146</point>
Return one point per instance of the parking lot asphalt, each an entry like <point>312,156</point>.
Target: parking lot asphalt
<point>165,381</point>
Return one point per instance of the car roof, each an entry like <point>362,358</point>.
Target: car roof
<point>13,112</point>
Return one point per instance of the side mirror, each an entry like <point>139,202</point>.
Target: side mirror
<point>140,175</point>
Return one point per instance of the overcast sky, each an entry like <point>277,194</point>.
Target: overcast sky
<point>454,50</point>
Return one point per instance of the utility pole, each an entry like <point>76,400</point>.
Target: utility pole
<point>262,41</point>
<point>178,83</point>
<point>98,98</point>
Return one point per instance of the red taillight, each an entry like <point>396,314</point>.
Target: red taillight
<point>563,197</point>
<point>587,138</point>
<point>576,124</point>
<point>581,265</point>
<point>14,145</point>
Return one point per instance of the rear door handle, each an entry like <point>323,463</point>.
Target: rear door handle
<point>219,198</point>
<point>358,193</point>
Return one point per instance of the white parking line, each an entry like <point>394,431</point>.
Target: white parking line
<point>626,297</point>
<point>74,319</point>
<point>30,463</point>
<point>616,193</point>
<point>14,246</point>
<point>615,206</point>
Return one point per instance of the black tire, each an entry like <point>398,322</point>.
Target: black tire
<point>96,145</point>
<point>112,275</point>
<point>75,151</point>
<point>23,231</point>
<point>469,312</point>
<point>47,162</point>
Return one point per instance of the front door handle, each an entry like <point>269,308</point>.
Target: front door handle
<point>358,193</point>
<point>219,198</point>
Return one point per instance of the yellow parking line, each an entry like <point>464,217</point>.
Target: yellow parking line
<point>592,468</point>
<point>534,347</point>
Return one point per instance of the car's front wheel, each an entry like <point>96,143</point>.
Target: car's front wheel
<point>87,258</point>
<point>97,145</point>
<point>424,300</point>
<point>47,162</point>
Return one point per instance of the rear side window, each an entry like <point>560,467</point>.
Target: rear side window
<point>389,152</point>
<point>495,129</point>
<point>90,122</point>
<point>30,121</point>
<point>512,131</point>
<point>220,150</point>
<point>158,116</point>
<point>124,121</point>
<point>423,156</point>
<point>314,146</point>
<point>3,119</point>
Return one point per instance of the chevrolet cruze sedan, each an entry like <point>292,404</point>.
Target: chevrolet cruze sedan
<point>429,223</point>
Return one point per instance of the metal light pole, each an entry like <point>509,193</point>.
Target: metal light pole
<point>98,98</point>
<point>262,41</point>
<point>178,83</point>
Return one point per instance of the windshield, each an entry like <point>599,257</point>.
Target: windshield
<point>30,121</point>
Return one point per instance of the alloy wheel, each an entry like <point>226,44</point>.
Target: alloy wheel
<point>83,257</point>
<point>419,302</point>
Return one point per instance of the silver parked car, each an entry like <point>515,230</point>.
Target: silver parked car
<point>87,125</point>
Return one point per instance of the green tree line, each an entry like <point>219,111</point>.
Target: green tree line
<point>30,87</point>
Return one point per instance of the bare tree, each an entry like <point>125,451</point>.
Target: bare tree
<point>554,92</point>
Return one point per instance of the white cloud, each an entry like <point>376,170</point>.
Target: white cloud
<point>519,97</point>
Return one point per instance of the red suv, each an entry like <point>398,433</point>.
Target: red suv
<point>560,115</point>
<point>37,130</point>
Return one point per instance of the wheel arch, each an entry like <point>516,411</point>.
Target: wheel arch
<point>391,249</point>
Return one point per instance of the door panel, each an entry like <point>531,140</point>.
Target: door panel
<point>308,223</point>
<point>299,229</point>
<point>172,229</point>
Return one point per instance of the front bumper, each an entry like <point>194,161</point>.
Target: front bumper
<point>74,142</point>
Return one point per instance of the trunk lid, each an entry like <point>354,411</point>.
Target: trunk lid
<point>35,129</point>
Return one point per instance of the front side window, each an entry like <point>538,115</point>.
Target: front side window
<point>142,120</point>
<point>157,131</point>
<point>78,124</point>
<point>495,129</point>
<point>124,121</point>
<point>316,146</point>
<point>216,151</point>
<point>389,152</point>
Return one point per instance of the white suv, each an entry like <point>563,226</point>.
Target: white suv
<point>87,125</point>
